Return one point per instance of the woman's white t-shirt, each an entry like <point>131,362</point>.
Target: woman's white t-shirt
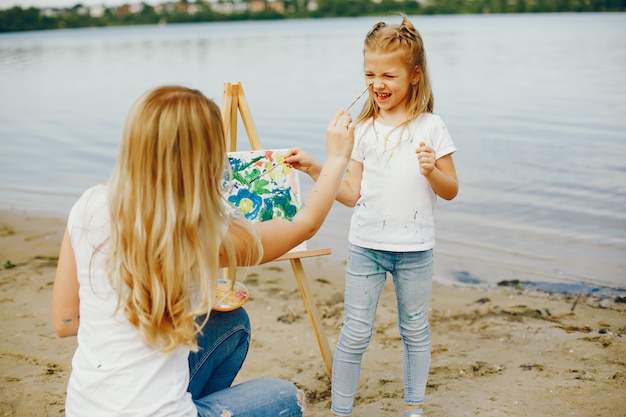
<point>395,210</point>
<point>114,373</point>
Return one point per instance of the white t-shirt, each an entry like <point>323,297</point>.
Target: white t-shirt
<point>395,211</point>
<point>114,373</point>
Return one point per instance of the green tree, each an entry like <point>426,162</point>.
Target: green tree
<point>17,18</point>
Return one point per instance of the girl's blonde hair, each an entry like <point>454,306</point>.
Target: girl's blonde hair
<point>169,220</point>
<point>406,39</point>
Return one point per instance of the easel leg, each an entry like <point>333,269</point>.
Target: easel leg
<point>298,271</point>
<point>234,101</point>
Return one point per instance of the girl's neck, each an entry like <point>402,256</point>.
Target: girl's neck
<point>392,122</point>
<point>392,118</point>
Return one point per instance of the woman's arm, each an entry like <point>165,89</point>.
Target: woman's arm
<point>350,189</point>
<point>279,235</point>
<point>65,301</point>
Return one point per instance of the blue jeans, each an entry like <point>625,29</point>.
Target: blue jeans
<point>223,347</point>
<point>366,273</point>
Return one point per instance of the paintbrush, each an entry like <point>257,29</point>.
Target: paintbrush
<point>265,172</point>
<point>358,97</point>
<point>347,109</point>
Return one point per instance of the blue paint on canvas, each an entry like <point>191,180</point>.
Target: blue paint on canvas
<point>261,186</point>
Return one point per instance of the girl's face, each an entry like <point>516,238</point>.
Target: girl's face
<point>390,79</point>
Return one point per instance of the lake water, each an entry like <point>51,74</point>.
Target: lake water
<point>536,105</point>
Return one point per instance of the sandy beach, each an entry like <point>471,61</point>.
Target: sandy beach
<point>500,351</point>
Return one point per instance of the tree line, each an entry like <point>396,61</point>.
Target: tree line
<point>20,19</point>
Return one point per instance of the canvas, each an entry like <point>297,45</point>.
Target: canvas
<point>262,187</point>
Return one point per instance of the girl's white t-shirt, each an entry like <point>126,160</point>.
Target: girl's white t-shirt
<point>114,373</point>
<point>395,210</point>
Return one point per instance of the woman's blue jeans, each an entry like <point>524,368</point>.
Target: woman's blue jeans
<point>223,347</point>
<point>366,273</point>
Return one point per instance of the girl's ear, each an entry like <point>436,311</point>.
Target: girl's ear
<point>417,74</point>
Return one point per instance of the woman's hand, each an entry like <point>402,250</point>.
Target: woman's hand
<point>340,135</point>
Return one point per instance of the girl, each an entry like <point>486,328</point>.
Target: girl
<point>139,262</point>
<point>401,161</point>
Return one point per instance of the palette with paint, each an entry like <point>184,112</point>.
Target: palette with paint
<point>230,297</point>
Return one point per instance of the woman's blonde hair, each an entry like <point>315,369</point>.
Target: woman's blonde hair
<point>169,220</point>
<point>406,39</point>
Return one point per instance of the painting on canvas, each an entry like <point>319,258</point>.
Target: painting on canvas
<point>261,186</point>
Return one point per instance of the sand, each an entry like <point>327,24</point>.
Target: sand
<point>497,351</point>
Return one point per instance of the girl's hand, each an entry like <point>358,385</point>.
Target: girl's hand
<point>339,141</point>
<point>426,159</point>
<point>298,158</point>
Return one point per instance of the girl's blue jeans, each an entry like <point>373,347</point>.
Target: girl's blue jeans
<point>223,347</point>
<point>366,273</point>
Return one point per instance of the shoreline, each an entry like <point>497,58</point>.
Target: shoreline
<point>496,351</point>
<point>337,261</point>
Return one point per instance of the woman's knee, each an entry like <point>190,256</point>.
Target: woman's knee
<point>282,396</point>
<point>234,318</point>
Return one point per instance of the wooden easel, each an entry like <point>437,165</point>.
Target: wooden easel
<point>234,101</point>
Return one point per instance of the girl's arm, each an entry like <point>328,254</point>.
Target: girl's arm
<point>350,189</point>
<point>279,236</point>
<point>440,173</point>
<point>65,301</point>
